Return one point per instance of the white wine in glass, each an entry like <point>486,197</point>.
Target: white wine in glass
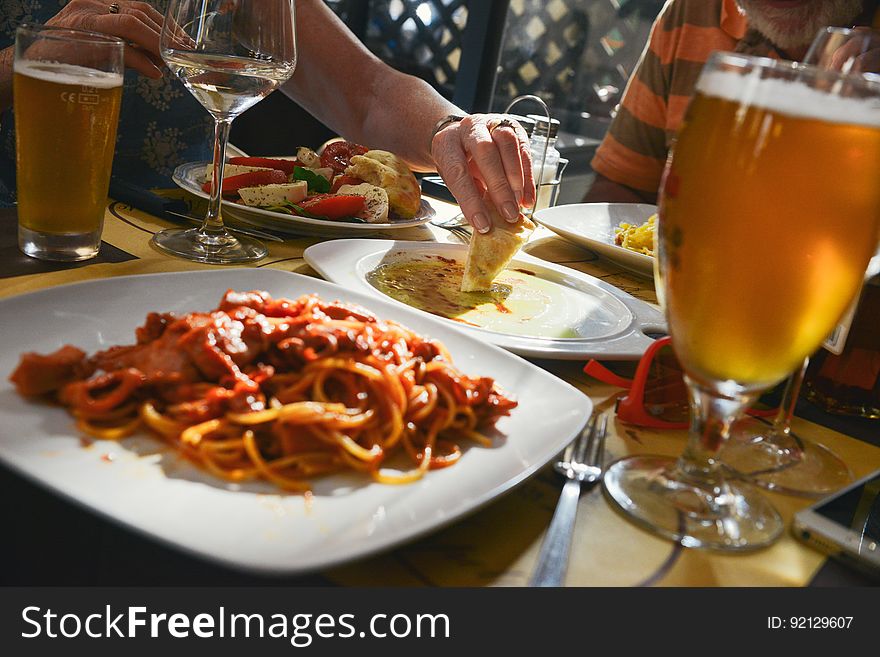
<point>769,214</point>
<point>230,55</point>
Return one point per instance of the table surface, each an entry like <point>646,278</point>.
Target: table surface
<point>51,541</point>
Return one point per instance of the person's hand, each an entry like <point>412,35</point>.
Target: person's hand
<point>485,152</point>
<point>137,23</point>
<point>860,53</point>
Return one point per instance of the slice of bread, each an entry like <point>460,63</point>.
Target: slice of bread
<point>386,170</point>
<point>489,253</point>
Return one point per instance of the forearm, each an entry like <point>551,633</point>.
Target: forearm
<point>6,78</point>
<point>402,115</point>
<point>605,190</point>
<point>356,95</point>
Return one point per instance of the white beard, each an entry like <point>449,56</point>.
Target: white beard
<point>796,27</point>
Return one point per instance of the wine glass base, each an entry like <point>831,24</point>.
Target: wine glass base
<point>214,249</point>
<point>753,454</point>
<point>659,497</point>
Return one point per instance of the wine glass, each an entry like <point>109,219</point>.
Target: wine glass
<point>847,50</point>
<point>230,55</point>
<point>769,213</point>
<point>775,458</point>
<point>772,456</point>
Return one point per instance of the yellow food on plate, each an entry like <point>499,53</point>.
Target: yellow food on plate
<point>489,253</point>
<point>638,238</point>
<point>386,170</point>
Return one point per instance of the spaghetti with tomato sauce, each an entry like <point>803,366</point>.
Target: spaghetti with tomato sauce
<point>277,389</point>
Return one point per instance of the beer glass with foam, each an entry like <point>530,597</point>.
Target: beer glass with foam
<point>769,213</point>
<point>773,456</point>
<point>67,89</point>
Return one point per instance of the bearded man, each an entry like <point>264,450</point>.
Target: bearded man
<point>630,160</point>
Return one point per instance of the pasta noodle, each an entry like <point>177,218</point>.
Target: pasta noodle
<point>638,238</point>
<point>277,389</point>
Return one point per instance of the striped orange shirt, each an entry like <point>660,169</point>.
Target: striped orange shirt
<point>682,38</point>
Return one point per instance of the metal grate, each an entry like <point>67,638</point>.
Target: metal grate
<point>576,54</point>
<point>421,37</point>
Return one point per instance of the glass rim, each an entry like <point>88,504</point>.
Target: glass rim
<point>69,34</point>
<point>740,60</point>
<point>833,29</point>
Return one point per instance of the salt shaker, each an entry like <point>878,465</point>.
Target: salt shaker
<point>544,137</point>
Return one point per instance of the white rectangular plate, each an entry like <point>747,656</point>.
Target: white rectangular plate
<point>143,484</point>
<point>613,325</point>
<point>591,226</point>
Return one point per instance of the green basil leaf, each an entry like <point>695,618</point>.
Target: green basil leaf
<point>317,183</point>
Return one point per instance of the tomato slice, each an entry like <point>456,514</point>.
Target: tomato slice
<point>334,206</point>
<point>339,181</point>
<point>286,166</point>
<point>232,184</point>
<point>338,154</point>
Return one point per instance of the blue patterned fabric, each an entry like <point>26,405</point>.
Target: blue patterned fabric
<point>161,125</point>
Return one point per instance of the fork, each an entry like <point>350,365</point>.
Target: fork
<point>461,233</point>
<point>581,465</point>
<point>253,232</point>
<point>458,226</point>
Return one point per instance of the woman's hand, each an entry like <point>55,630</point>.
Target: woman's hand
<point>486,152</point>
<point>137,23</point>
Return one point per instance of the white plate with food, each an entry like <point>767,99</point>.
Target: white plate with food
<point>534,308</point>
<point>594,226</point>
<point>147,484</point>
<point>283,218</point>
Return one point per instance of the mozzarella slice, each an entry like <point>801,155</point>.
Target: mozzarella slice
<point>274,194</point>
<point>376,205</point>
<point>325,172</point>
<point>308,158</point>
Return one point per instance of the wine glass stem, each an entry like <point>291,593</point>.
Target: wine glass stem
<point>213,223</point>
<point>711,417</point>
<point>782,422</point>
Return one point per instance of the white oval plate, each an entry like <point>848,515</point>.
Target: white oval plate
<point>191,177</point>
<point>612,324</point>
<point>143,484</point>
<point>591,225</point>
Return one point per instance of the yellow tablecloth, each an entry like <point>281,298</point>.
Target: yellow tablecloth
<point>499,545</point>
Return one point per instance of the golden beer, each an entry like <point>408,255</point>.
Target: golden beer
<point>65,119</point>
<point>764,216</point>
<point>67,90</point>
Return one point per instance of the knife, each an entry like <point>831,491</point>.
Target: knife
<point>168,208</point>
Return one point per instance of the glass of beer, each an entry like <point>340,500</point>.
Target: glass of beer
<point>67,89</point>
<point>769,213</point>
<point>773,456</point>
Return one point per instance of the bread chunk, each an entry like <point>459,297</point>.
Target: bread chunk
<point>489,253</point>
<point>386,170</point>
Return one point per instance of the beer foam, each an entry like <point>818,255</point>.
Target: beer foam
<point>791,97</point>
<point>68,74</point>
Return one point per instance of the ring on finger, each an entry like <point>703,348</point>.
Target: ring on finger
<point>113,8</point>
<point>501,123</point>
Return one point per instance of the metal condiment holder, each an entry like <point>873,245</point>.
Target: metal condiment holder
<point>546,110</point>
